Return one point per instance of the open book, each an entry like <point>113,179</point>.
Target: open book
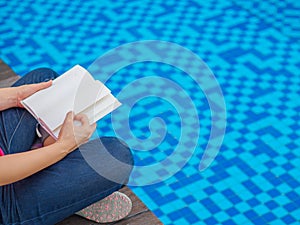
<point>76,90</point>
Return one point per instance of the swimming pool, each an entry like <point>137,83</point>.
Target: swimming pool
<point>252,48</point>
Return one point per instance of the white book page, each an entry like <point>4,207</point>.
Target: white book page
<point>101,108</point>
<point>74,90</point>
<point>98,110</point>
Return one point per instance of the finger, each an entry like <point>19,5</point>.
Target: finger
<point>40,86</point>
<point>93,126</point>
<point>43,85</point>
<point>82,118</point>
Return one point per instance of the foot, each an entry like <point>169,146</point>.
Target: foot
<point>110,209</point>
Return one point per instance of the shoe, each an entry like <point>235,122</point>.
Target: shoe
<point>110,209</point>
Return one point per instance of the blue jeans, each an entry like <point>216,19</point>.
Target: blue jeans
<point>64,188</point>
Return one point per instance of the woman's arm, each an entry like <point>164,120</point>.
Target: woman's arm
<point>8,98</point>
<point>11,97</point>
<point>18,166</point>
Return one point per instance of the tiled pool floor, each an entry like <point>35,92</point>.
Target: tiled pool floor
<point>252,47</point>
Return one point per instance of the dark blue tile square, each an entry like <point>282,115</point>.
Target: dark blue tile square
<point>252,187</point>
<point>270,164</point>
<point>288,219</point>
<point>210,205</point>
<point>158,212</point>
<point>210,190</point>
<point>293,136</point>
<point>269,217</point>
<point>253,202</point>
<point>293,196</point>
<point>232,211</point>
<point>274,193</point>
<point>211,220</point>
<point>271,204</point>
<point>292,182</point>
<point>287,166</point>
<point>247,169</point>
<point>251,214</point>
<point>231,196</point>
<point>229,222</point>
<point>290,206</point>
<point>170,197</point>
<point>215,178</point>
<point>272,178</point>
<point>174,216</point>
<point>258,220</point>
<point>189,199</point>
<point>291,146</point>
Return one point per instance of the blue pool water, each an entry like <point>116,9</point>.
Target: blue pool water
<point>252,47</point>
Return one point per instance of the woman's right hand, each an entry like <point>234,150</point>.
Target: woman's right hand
<point>30,162</point>
<point>71,136</point>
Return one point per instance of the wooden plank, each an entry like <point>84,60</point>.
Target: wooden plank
<point>146,218</point>
<point>137,205</point>
<point>139,215</point>
<point>7,75</point>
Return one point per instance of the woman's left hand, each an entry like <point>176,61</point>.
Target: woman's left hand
<point>25,91</point>
<point>12,96</point>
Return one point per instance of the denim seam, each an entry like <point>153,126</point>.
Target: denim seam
<point>12,136</point>
<point>5,134</point>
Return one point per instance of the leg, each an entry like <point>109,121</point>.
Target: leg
<point>17,130</point>
<point>17,126</point>
<point>67,186</point>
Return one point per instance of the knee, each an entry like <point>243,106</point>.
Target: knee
<point>110,157</point>
<point>118,149</point>
<point>44,74</point>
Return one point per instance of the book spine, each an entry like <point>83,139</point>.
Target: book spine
<point>41,122</point>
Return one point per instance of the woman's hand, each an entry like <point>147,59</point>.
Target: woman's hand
<point>15,167</point>
<point>25,91</point>
<point>12,96</point>
<point>71,136</point>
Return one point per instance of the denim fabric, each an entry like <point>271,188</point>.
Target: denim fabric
<point>64,188</point>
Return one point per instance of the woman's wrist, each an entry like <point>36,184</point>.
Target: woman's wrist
<point>13,98</point>
<point>18,99</point>
<point>62,149</point>
<point>64,146</point>
<point>9,98</point>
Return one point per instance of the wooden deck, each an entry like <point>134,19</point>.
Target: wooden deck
<point>140,214</point>
<point>7,75</point>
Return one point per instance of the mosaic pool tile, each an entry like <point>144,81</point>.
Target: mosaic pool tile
<point>253,50</point>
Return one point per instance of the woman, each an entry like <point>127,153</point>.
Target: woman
<point>47,184</point>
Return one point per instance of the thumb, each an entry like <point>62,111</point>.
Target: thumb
<point>68,122</point>
<point>69,117</point>
<point>67,127</point>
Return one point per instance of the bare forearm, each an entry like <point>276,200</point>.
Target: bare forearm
<point>8,98</point>
<point>15,167</point>
<point>18,166</point>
